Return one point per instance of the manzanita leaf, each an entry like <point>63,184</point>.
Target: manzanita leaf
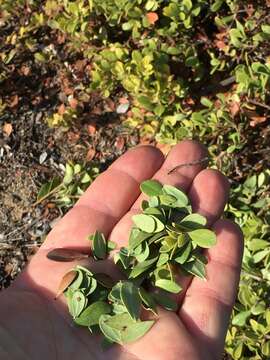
<point>203,237</point>
<point>181,240</point>
<point>157,213</point>
<point>108,331</point>
<point>200,257</point>
<point>115,294</point>
<point>129,294</point>
<point>153,211</point>
<point>144,222</point>
<point>183,254</point>
<point>100,294</point>
<point>136,237</point>
<point>122,329</point>
<point>47,188</point>
<point>65,255</point>
<point>77,304</point>
<point>153,201</point>
<point>163,259</point>
<point>90,316</point>
<point>119,308</point>
<point>193,222</point>
<point>162,273</point>
<point>136,331</point>
<point>195,268</point>
<point>68,295</point>
<point>148,300</point>
<point>168,285</point>
<point>123,256</point>
<point>99,245</point>
<point>241,318</point>
<point>67,279</point>
<point>145,252</point>
<point>76,284</point>
<point>165,301</point>
<point>142,267</point>
<point>144,205</point>
<point>182,199</point>
<point>156,237</point>
<point>151,187</point>
<point>167,199</point>
<point>159,226</point>
<point>111,245</point>
<point>105,280</point>
<point>90,285</point>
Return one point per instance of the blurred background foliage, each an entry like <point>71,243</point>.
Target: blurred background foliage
<point>179,69</point>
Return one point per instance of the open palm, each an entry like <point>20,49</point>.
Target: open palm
<point>35,326</point>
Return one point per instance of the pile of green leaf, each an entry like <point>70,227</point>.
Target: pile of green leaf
<point>166,240</point>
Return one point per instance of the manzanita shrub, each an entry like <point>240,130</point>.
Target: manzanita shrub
<point>172,59</point>
<point>166,240</point>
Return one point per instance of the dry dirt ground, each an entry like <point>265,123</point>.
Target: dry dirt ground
<point>30,155</point>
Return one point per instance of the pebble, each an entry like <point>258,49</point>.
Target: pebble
<point>43,157</point>
<point>122,108</point>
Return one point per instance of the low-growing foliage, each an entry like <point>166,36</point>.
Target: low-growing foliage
<point>66,191</point>
<point>248,336</point>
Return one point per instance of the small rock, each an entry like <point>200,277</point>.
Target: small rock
<point>43,157</point>
<point>122,108</point>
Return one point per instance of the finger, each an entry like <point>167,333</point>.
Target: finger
<point>105,201</point>
<point>185,152</point>
<point>209,194</point>
<point>207,306</point>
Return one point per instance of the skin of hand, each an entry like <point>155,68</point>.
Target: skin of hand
<point>33,325</point>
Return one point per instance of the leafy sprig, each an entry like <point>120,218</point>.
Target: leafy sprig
<point>166,240</point>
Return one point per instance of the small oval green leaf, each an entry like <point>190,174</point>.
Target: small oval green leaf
<point>109,332</point>
<point>148,300</point>
<point>193,221</point>
<point>90,316</point>
<point>130,297</point>
<point>77,304</point>
<point>168,285</point>
<point>144,222</point>
<point>203,237</point>
<point>182,199</point>
<point>99,246</point>
<point>151,187</point>
<point>165,301</point>
<point>196,268</point>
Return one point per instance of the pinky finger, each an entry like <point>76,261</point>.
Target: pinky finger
<point>208,305</point>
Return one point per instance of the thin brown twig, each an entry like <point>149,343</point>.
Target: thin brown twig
<point>254,102</point>
<point>47,195</point>
<point>195,162</point>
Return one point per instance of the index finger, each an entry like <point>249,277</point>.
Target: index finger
<point>108,198</point>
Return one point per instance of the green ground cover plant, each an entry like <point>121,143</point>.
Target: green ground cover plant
<point>188,69</point>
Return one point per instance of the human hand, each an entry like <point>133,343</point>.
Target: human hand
<point>35,326</point>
